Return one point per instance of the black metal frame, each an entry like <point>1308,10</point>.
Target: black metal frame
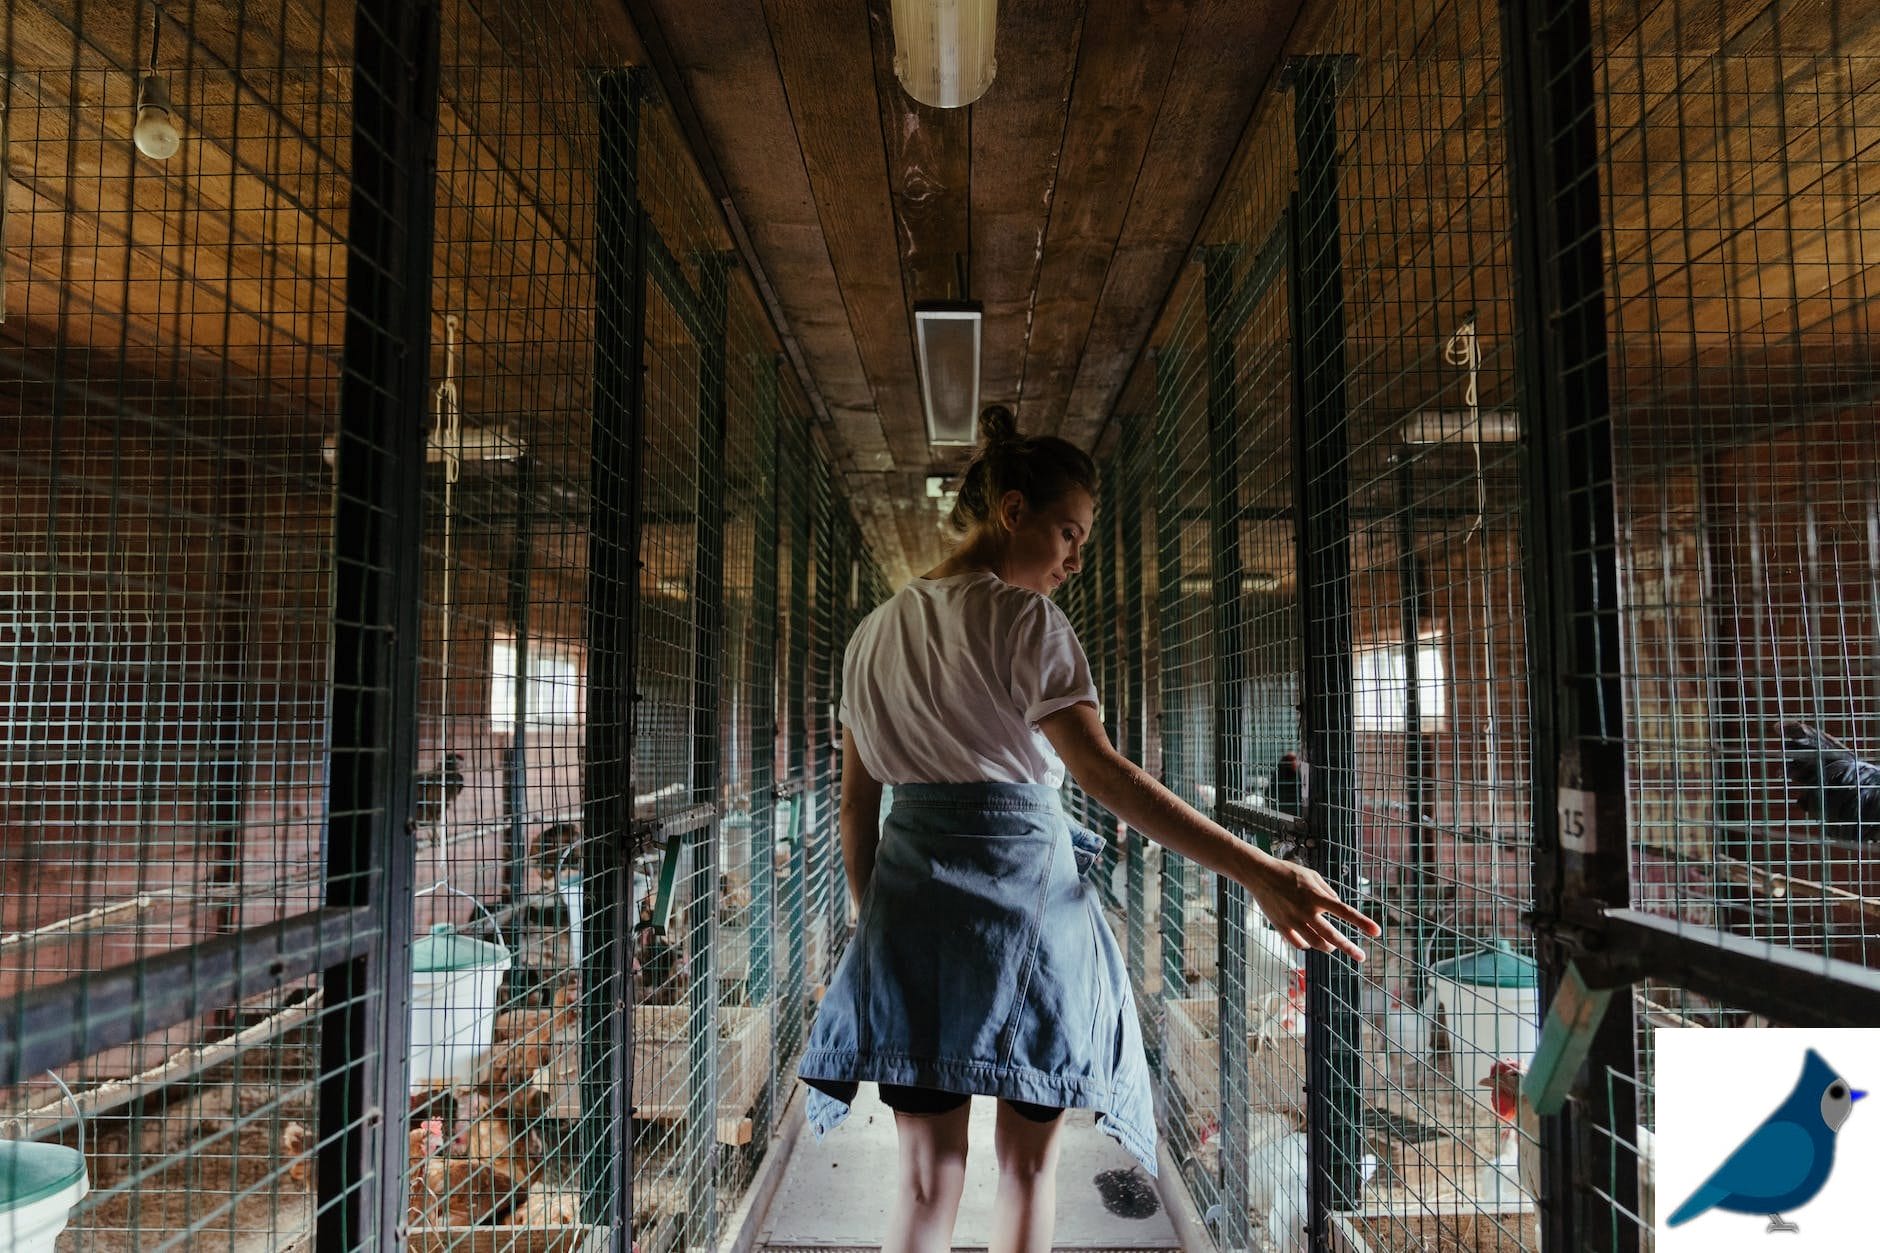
<point>1136,737</point>
<point>377,538</point>
<point>1173,907</point>
<point>1230,706</point>
<point>761,866</point>
<point>75,1018</point>
<point>708,636</point>
<point>1320,455</point>
<point>516,758</point>
<point>611,837</point>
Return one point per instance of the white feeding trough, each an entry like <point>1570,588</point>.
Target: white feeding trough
<point>39,1185</point>
<point>453,1000</point>
<point>1491,1004</point>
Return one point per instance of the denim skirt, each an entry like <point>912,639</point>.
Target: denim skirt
<point>981,963</point>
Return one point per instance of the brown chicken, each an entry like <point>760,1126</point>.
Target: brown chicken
<point>525,1039</point>
<point>488,1137</point>
<point>463,1192</point>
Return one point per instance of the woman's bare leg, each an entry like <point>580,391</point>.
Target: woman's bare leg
<point>1025,1214</point>
<point>933,1176</point>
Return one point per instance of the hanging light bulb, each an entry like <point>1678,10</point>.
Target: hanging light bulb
<point>943,49</point>
<point>155,133</point>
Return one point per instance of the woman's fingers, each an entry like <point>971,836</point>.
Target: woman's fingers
<point>1353,915</point>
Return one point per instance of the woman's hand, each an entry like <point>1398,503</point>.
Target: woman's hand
<point>1301,905</point>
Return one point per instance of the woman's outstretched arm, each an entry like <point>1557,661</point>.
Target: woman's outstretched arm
<point>861,818</point>
<point>1299,902</point>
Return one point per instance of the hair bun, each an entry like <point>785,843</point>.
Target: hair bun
<point>998,426</point>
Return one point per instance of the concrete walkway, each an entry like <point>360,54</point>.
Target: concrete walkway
<point>837,1194</point>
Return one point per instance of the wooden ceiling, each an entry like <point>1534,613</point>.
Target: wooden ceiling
<point>1066,199</point>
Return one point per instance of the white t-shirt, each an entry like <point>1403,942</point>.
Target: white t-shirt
<point>944,682</point>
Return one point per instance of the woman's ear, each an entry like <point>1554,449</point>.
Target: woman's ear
<point>1011,510</point>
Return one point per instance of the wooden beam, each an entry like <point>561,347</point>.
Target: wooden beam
<point>826,62</point>
<point>1017,155</point>
<point>1228,58</point>
<point>1127,53</point>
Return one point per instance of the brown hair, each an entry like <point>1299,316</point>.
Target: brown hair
<point>1042,468</point>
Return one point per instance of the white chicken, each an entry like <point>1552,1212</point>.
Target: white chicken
<point>1504,1078</point>
<point>1278,1185</point>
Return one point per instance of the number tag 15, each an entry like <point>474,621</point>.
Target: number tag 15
<point>1578,826</point>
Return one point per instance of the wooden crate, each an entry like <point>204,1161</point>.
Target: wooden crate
<point>1276,1063</point>
<point>661,1077</point>
<point>1460,1232</point>
<point>507,1239</point>
<point>661,1038</point>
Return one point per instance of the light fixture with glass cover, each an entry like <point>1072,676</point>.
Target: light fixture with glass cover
<point>946,341</point>
<point>155,134</point>
<point>943,49</point>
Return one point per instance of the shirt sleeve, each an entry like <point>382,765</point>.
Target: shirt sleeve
<point>848,669</point>
<point>1049,669</point>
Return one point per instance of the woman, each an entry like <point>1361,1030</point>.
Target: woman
<point>980,963</point>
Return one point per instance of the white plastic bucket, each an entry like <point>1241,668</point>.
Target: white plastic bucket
<point>39,1185</point>
<point>1491,1005</point>
<point>453,1003</point>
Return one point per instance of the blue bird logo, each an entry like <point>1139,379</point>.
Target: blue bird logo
<point>1786,1160</point>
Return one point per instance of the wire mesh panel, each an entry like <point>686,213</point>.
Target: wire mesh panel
<point>1133,497</point>
<point>504,861</point>
<point>1185,602</point>
<point>170,346</point>
<point>1438,814</point>
<point>823,891</point>
<point>793,953</point>
<point>1745,479</point>
<point>747,871</point>
<point>298,659</point>
<point>1745,469</point>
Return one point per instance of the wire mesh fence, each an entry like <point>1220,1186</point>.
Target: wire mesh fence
<point>1325,562</point>
<point>381,723</point>
<point>330,872</point>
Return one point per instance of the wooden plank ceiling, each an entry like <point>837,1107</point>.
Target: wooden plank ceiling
<point>1063,201</point>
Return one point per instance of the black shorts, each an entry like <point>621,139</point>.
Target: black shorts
<point>926,1102</point>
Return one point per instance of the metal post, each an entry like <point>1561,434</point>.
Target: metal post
<point>234,735</point>
<point>612,666</point>
<point>796,712</point>
<point>831,595</point>
<point>1107,634</point>
<point>1421,841</point>
<point>378,530</point>
<point>516,760</point>
<point>708,639</point>
<point>1129,525</point>
<point>1577,710</point>
<point>1230,703</point>
<point>761,865</point>
<point>1168,526</point>
<point>1320,460</point>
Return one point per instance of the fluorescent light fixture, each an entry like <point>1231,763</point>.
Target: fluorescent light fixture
<point>946,338</point>
<point>498,442</point>
<point>943,49</point>
<point>1462,426</point>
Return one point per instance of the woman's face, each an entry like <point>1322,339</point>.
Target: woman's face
<point>1044,547</point>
